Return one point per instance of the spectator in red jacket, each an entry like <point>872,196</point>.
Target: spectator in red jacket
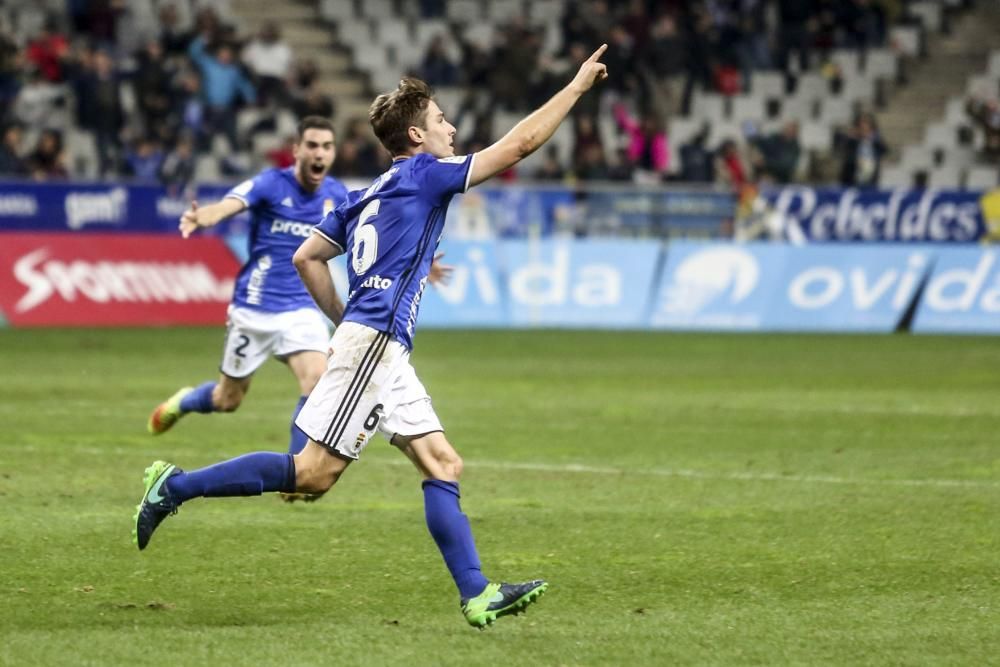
<point>48,50</point>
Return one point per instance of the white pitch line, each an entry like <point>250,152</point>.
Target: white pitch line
<point>582,468</point>
<point>738,476</point>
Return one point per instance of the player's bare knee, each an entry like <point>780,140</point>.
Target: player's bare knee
<point>311,477</point>
<point>316,470</point>
<point>226,399</point>
<point>451,465</point>
<point>228,402</point>
<point>456,466</point>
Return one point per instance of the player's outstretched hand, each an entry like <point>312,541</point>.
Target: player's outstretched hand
<point>440,273</point>
<point>189,221</point>
<point>591,71</point>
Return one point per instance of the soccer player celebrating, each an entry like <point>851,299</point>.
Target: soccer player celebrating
<point>390,232</point>
<point>271,312</point>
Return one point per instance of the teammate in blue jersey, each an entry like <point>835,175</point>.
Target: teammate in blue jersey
<point>271,312</point>
<point>389,232</point>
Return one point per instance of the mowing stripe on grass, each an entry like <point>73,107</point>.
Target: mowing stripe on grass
<point>735,476</point>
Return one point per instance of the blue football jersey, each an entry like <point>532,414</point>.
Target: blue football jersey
<point>390,232</point>
<point>282,214</point>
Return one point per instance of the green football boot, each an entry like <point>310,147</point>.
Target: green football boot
<point>501,599</point>
<point>156,504</point>
<point>167,413</point>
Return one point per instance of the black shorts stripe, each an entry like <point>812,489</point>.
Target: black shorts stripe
<point>366,369</point>
<point>361,377</point>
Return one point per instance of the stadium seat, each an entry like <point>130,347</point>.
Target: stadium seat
<point>848,61</point>
<point>907,39</point>
<point>449,99</point>
<point>337,10</point>
<point>930,14</point>
<point>982,178</point>
<point>392,31</point>
<point>355,34</point>
<point>481,34</point>
<point>940,134</point>
<point>81,149</point>
<point>466,11</point>
<point>916,157</point>
<point>371,57</point>
<point>945,176</point>
<point>709,106</point>
<point>545,11</point>
<point>383,10</point>
<point>983,85</point>
<point>882,64</point>
<point>723,130</point>
<point>812,86</point>
<point>682,130</point>
<point>502,11</point>
<point>797,108</point>
<point>860,88</point>
<point>767,85</point>
<point>993,69</point>
<point>747,107</point>
<point>266,141</point>
<point>895,177</point>
<point>836,111</point>
<point>955,114</point>
<point>206,170</point>
<point>425,31</point>
<point>816,136</point>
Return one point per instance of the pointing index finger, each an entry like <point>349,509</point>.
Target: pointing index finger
<point>598,53</point>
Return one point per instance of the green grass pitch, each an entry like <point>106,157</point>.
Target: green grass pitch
<point>693,500</point>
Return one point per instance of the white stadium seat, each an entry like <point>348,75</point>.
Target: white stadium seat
<point>945,176</point>
<point>895,177</point>
<point>767,85</point>
<point>982,178</point>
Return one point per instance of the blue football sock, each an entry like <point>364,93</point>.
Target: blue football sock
<point>199,399</point>
<point>298,437</point>
<point>450,529</point>
<point>247,475</point>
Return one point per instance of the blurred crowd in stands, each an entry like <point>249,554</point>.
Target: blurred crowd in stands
<point>659,54</point>
<point>189,71</point>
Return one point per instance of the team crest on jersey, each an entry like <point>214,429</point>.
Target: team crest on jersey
<point>359,442</point>
<point>455,159</point>
<point>327,207</point>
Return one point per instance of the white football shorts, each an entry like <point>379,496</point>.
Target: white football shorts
<point>253,335</point>
<point>369,385</point>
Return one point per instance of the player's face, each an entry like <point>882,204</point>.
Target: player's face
<point>439,133</point>
<point>314,156</point>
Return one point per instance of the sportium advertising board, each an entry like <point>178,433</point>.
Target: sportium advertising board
<point>114,279</point>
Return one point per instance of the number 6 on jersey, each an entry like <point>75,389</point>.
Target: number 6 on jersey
<point>365,248</point>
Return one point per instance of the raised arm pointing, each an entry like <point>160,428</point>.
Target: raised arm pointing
<point>534,130</point>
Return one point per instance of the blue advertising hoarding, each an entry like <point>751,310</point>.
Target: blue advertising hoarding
<point>97,207</point>
<point>962,294</point>
<point>717,286</point>
<point>473,296</point>
<point>903,215</point>
<point>513,212</point>
<point>757,286</point>
<point>582,283</point>
<point>860,288</point>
